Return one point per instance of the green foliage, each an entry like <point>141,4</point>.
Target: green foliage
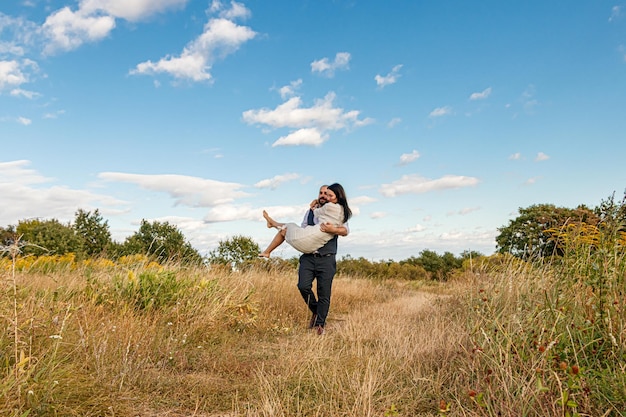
<point>93,232</point>
<point>148,289</point>
<point>439,267</point>
<point>40,237</point>
<point>612,214</point>
<point>362,267</point>
<point>163,241</point>
<point>7,235</point>
<point>235,251</point>
<point>527,236</point>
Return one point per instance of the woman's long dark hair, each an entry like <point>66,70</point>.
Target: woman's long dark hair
<point>342,200</point>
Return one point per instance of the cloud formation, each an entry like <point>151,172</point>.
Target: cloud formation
<point>221,37</point>
<point>36,196</point>
<point>14,73</point>
<point>440,111</point>
<point>277,180</point>
<point>290,90</point>
<point>482,95</point>
<point>407,158</point>
<point>415,184</point>
<point>328,68</point>
<point>66,29</point>
<point>185,190</point>
<point>310,125</point>
<point>391,78</point>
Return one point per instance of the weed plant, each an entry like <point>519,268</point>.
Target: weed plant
<point>549,338</point>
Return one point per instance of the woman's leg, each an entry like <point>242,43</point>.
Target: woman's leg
<point>271,222</point>
<point>276,242</point>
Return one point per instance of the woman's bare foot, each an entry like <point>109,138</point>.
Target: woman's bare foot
<point>270,222</point>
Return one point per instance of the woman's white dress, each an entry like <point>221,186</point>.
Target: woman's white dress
<point>310,238</point>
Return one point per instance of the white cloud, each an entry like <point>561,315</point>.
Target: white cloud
<point>24,121</point>
<point>67,30</point>
<point>306,136</point>
<point>616,12</point>
<point>236,11</point>
<point>27,194</point>
<point>228,212</point>
<point>440,111</point>
<point>393,122</point>
<point>391,78</point>
<point>14,73</point>
<point>516,156</point>
<point>290,90</point>
<point>529,102</point>
<point>186,191</point>
<point>407,158</point>
<point>360,200</point>
<point>129,10</point>
<point>482,95</point>
<point>378,215</point>
<point>18,92</point>
<point>416,229</point>
<point>415,184</point>
<point>53,115</point>
<point>541,157</point>
<point>532,180</point>
<point>310,124</point>
<point>277,180</point>
<point>17,173</point>
<point>220,38</point>
<point>468,210</point>
<point>327,68</point>
<point>21,33</point>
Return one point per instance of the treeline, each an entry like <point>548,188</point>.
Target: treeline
<point>537,232</point>
<point>89,236</point>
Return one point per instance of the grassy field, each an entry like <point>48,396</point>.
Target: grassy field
<point>503,338</point>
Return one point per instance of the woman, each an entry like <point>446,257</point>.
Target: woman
<point>310,238</point>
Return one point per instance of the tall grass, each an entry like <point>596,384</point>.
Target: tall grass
<point>505,338</point>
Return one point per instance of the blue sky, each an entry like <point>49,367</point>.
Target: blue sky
<point>440,118</point>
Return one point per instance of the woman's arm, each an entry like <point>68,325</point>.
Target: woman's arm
<point>335,230</point>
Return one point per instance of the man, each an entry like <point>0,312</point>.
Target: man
<point>320,265</point>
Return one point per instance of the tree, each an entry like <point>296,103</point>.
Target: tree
<point>92,231</point>
<point>7,235</point>
<point>163,241</point>
<point>612,214</point>
<point>43,237</point>
<point>438,267</point>
<point>234,251</point>
<point>527,235</point>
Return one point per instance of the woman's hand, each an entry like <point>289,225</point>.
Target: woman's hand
<point>332,229</point>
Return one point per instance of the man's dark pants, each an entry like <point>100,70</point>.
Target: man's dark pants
<point>323,269</point>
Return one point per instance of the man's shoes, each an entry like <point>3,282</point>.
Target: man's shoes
<point>319,330</point>
<point>312,322</point>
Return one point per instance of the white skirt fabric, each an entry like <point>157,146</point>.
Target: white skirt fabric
<point>310,238</point>
<point>306,239</point>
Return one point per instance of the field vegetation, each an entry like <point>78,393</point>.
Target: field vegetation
<point>150,328</point>
<point>502,337</point>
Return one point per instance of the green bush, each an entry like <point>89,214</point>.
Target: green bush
<point>149,289</point>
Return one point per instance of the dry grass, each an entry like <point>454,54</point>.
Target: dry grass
<point>92,344</point>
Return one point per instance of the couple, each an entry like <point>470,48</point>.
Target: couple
<point>317,239</point>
